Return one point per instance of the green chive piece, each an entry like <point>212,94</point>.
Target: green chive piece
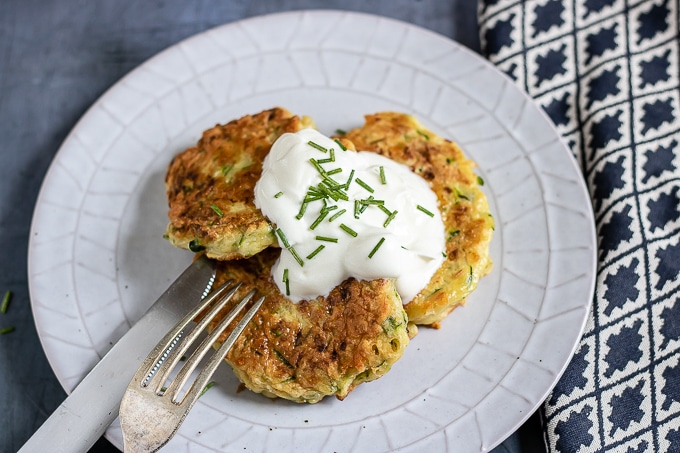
<point>349,180</point>
<point>341,132</point>
<point>377,246</point>
<point>6,330</point>
<point>286,281</point>
<point>364,185</point>
<point>319,219</point>
<point>357,208</point>
<point>480,181</point>
<point>217,210</point>
<point>330,159</point>
<point>326,239</point>
<point>317,146</point>
<point>348,230</point>
<point>278,195</point>
<point>316,252</point>
<point>303,208</point>
<point>226,169</point>
<point>207,387</point>
<point>382,175</point>
<point>337,214</point>
<point>318,166</point>
<point>342,147</point>
<point>384,209</point>
<point>5,301</point>
<point>420,208</point>
<point>284,240</point>
<point>390,218</point>
<point>423,134</point>
<point>334,171</point>
<point>296,256</point>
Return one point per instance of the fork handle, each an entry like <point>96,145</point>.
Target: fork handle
<point>86,413</point>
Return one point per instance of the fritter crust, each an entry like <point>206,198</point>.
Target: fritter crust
<point>463,206</point>
<point>312,349</point>
<point>210,187</point>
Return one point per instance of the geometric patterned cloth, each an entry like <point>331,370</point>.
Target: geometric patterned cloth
<point>607,73</point>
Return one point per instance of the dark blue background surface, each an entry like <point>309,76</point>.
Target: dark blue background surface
<point>56,59</point>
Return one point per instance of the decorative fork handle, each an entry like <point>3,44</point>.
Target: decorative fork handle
<point>86,413</point>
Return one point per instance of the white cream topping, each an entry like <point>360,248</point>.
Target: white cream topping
<point>407,246</point>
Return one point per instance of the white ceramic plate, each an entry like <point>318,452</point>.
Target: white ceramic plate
<point>98,259</point>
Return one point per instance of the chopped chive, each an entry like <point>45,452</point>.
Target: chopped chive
<point>382,175</point>
<point>5,301</point>
<point>364,185</point>
<point>317,146</point>
<point>217,210</point>
<point>420,208</point>
<point>342,147</point>
<point>316,252</point>
<point>296,256</point>
<point>348,230</point>
<point>377,246</point>
<point>384,209</point>
<point>302,210</point>
<point>357,208</point>
<point>286,281</point>
<point>480,181</point>
<point>284,240</point>
<point>334,171</point>
<point>318,166</point>
<point>326,239</point>
<point>349,180</point>
<point>390,218</point>
<point>278,195</point>
<point>318,220</point>
<point>7,329</point>
<point>330,159</point>
<point>337,214</point>
<point>341,132</point>
<point>207,387</point>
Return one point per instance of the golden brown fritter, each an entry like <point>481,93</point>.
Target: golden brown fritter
<point>327,346</point>
<point>210,187</point>
<point>463,206</point>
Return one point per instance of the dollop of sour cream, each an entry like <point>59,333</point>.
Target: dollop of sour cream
<point>340,213</point>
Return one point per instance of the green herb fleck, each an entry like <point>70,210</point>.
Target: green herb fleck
<point>5,330</point>
<point>316,252</point>
<point>348,230</point>
<point>364,185</point>
<point>283,359</point>
<point>326,239</point>
<point>423,134</point>
<point>480,181</point>
<point>317,146</point>
<point>5,301</point>
<point>340,132</point>
<point>296,256</point>
<point>226,169</point>
<point>377,246</point>
<point>284,239</point>
<point>286,281</point>
<point>454,233</point>
<point>278,195</point>
<point>382,175</point>
<point>390,217</point>
<point>342,147</point>
<point>207,387</point>
<point>426,211</point>
<point>322,215</point>
<point>337,214</point>
<point>334,171</point>
<point>217,210</point>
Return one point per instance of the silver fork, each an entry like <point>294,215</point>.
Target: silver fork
<point>151,411</point>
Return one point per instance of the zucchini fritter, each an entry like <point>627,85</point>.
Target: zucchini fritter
<point>463,207</point>
<point>308,350</point>
<point>210,187</point>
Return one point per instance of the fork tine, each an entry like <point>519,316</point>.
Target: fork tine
<point>201,350</point>
<point>165,355</point>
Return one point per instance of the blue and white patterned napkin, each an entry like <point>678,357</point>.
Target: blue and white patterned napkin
<point>607,74</point>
